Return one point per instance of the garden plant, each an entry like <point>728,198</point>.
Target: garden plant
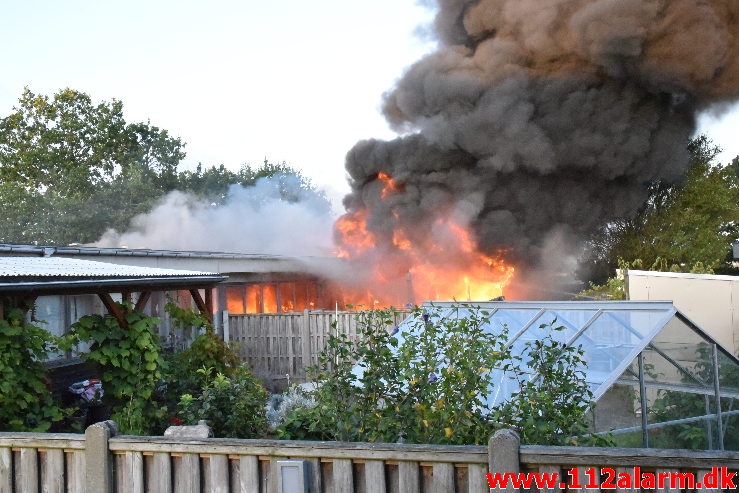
<point>429,384</point>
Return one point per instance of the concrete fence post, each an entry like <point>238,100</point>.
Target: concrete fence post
<point>98,459</point>
<point>503,455</point>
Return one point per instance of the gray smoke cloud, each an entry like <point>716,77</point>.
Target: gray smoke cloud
<point>543,118</point>
<point>277,216</point>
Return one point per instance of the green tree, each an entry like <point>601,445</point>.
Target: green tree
<point>213,183</point>
<point>680,226</point>
<point>69,168</point>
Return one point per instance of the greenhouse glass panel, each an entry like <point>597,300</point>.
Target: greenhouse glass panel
<point>513,320</point>
<point>541,328</point>
<point>619,409</point>
<point>659,370</point>
<point>728,374</point>
<point>681,420</point>
<point>730,422</point>
<point>687,349</point>
<point>611,333</point>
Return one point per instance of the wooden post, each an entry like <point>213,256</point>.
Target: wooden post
<point>142,301</point>
<point>113,309</point>
<point>200,303</point>
<point>98,459</point>
<point>226,326</point>
<point>503,455</point>
<point>209,303</point>
<point>305,339</point>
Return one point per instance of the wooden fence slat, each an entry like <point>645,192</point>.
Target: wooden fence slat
<point>585,479</point>
<point>701,477</point>
<point>316,478</point>
<point>343,479</point>
<point>52,474</point>
<point>249,474</point>
<point>78,476</point>
<point>187,474</point>
<point>219,474</point>
<point>619,471</point>
<point>134,472</point>
<point>29,471</point>
<point>476,480</point>
<point>408,477</point>
<point>162,468</point>
<point>6,470</point>
<point>443,477</point>
<point>552,470</point>
<point>374,476</point>
<point>667,484</point>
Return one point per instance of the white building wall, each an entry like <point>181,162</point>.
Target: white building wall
<point>710,301</point>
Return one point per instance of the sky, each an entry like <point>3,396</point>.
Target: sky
<point>238,81</point>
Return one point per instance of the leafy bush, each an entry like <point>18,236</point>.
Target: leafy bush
<point>233,406</point>
<point>428,384</point>
<point>130,361</point>
<point>208,351</point>
<point>25,401</point>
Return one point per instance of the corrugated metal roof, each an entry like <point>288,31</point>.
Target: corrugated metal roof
<point>69,267</point>
<point>48,250</point>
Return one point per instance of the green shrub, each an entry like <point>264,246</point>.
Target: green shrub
<point>208,351</point>
<point>233,406</point>
<point>130,362</point>
<point>25,401</point>
<point>430,382</point>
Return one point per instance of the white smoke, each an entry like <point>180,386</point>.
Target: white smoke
<point>278,216</point>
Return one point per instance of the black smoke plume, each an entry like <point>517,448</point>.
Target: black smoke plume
<point>542,119</point>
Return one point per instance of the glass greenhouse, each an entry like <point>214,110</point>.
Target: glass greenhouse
<point>658,379</point>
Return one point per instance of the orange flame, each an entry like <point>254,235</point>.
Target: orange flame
<point>391,186</point>
<point>442,264</point>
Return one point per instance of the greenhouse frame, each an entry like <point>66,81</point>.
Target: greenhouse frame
<point>658,380</point>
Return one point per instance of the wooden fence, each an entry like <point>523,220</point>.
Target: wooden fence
<point>100,462</point>
<point>280,344</point>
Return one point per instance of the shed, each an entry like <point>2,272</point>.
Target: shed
<point>658,379</point>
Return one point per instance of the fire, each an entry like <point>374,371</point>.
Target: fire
<point>444,263</point>
<point>355,238</point>
<point>391,186</point>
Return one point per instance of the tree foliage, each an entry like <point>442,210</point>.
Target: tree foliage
<point>681,227</point>
<point>70,169</point>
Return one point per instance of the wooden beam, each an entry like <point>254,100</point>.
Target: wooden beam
<point>200,303</point>
<point>113,309</point>
<point>142,301</point>
<point>209,303</point>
